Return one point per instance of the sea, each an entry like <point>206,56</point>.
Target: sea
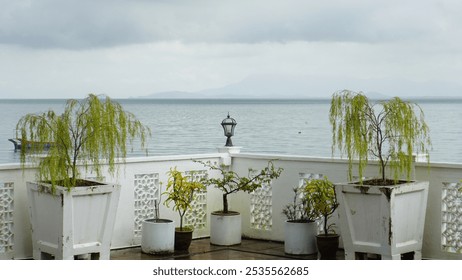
<point>269,126</point>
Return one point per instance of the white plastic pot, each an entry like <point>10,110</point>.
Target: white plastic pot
<point>158,236</point>
<point>300,238</point>
<point>225,229</point>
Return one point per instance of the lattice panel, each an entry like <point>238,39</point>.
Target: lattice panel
<point>308,176</point>
<point>147,192</point>
<point>451,228</point>
<point>197,215</point>
<point>261,208</point>
<point>6,217</point>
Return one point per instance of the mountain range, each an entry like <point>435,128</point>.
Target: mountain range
<point>293,87</point>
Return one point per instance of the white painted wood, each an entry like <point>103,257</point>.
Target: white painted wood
<point>387,220</point>
<point>72,223</point>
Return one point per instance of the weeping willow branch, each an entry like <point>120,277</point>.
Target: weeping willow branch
<point>88,132</point>
<point>392,131</point>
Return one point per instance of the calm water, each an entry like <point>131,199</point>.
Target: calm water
<point>297,127</point>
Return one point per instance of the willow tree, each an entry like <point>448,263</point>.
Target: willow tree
<point>88,133</point>
<point>391,131</point>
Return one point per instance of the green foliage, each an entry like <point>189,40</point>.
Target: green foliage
<point>392,131</point>
<point>321,194</point>
<point>89,132</point>
<point>301,208</point>
<point>181,190</point>
<point>230,182</point>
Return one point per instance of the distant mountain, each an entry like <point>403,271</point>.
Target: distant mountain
<point>172,94</point>
<point>261,86</point>
<point>280,86</point>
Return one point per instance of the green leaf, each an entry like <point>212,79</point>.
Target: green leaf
<point>390,131</point>
<point>91,132</point>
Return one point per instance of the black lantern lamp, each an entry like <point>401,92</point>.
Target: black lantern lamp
<point>228,127</point>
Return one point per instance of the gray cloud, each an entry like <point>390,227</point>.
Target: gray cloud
<point>105,23</point>
<point>67,48</point>
<point>68,24</point>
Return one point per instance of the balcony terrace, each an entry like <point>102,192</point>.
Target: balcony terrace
<point>201,249</point>
<point>141,179</point>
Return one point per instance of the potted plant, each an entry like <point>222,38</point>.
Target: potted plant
<point>157,234</point>
<point>321,194</point>
<point>393,208</point>
<point>225,224</point>
<point>181,191</point>
<point>71,216</point>
<point>300,227</point>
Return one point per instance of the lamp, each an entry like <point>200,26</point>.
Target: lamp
<point>228,125</point>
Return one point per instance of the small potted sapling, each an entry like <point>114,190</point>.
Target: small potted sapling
<point>225,224</point>
<point>323,199</point>
<point>181,190</point>
<point>300,226</point>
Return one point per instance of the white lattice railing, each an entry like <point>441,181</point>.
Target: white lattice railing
<point>451,228</point>
<point>141,187</point>
<point>197,215</point>
<point>146,193</point>
<point>261,208</point>
<point>6,218</point>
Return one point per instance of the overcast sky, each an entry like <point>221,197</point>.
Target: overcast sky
<point>124,48</point>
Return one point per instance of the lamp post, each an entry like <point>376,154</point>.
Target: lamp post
<point>228,125</point>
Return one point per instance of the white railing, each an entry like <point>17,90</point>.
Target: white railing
<point>141,180</point>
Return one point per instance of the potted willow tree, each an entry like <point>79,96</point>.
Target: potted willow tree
<point>323,199</point>
<point>181,190</point>
<point>392,207</point>
<point>71,216</point>
<point>225,224</point>
<point>300,227</point>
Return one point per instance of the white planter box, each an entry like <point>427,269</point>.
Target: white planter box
<point>386,220</point>
<point>300,238</point>
<point>72,223</point>
<point>225,230</point>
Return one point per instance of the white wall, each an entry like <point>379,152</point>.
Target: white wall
<point>334,169</point>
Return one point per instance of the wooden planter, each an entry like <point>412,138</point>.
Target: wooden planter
<point>385,220</point>
<point>74,223</point>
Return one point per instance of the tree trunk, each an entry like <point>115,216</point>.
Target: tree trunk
<point>225,203</point>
